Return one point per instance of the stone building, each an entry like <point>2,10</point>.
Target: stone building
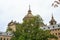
<point>12,25</point>
<point>5,36</point>
<point>53,27</point>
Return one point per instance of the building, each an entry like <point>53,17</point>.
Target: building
<point>53,27</point>
<point>12,25</point>
<point>29,15</point>
<point>5,36</point>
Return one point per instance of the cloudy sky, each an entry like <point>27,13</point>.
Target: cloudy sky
<point>17,9</point>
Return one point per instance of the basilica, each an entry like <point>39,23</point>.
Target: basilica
<point>53,27</point>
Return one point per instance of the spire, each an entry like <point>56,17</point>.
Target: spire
<point>29,14</point>
<point>52,16</point>
<point>52,21</point>
<point>29,9</point>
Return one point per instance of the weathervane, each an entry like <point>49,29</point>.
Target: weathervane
<point>29,6</point>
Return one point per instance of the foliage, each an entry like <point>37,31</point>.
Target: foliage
<point>9,29</point>
<point>30,30</point>
<point>56,3</point>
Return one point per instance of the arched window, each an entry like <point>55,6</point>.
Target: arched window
<point>7,38</point>
<point>58,25</point>
<point>4,38</point>
<point>55,33</point>
<point>44,28</point>
<point>53,26</point>
<point>58,33</point>
<point>48,27</point>
<point>0,38</point>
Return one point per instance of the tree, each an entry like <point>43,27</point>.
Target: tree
<point>30,30</point>
<point>56,3</point>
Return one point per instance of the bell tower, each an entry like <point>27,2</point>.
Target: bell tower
<point>29,14</point>
<point>52,21</point>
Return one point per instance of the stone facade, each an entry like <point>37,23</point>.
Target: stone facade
<point>5,36</point>
<point>11,26</point>
<point>53,27</point>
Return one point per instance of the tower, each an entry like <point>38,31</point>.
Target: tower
<point>52,21</point>
<point>11,26</point>
<point>29,14</point>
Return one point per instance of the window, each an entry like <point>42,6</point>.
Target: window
<point>0,33</point>
<point>48,27</point>
<point>44,28</point>
<point>58,29</point>
<point>55,29</point>
<point>59,36</point>
<point>58,25</point>
<point>4,38</point>
<point>7,38</point>
<point>55,33</point>
<point>53,26</point>
<point>58,33</point>
<point>0,38</point>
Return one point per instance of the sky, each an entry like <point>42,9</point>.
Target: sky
<point>16,10</point>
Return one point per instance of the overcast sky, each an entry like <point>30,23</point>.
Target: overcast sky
<point>17,9</point>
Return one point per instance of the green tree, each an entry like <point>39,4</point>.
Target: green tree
<point>30,30</point>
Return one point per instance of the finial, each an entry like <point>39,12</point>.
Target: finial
<point>52,15</point>
<point>29,6</point>
<point>29,9</point>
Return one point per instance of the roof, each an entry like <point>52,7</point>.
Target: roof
<point>50,27</point>
<point>29,14</point>
<point>11,23</point>
<point>52,19</point>
<point>5,34</point>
